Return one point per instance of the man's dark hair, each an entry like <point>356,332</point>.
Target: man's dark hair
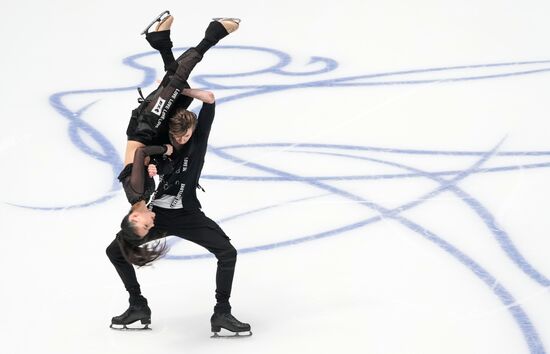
<point>181,121</point>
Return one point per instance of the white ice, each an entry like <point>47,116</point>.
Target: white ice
<point>393,200</point>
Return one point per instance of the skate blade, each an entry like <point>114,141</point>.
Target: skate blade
<point>157,19</point>
<point>234,19</point>
<point>126,328</point>
<point>231,335</point>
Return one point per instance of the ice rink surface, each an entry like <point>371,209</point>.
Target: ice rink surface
<point>382,168</point>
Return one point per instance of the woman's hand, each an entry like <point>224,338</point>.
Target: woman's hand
<point>169,149</point>
<point>152,169</point>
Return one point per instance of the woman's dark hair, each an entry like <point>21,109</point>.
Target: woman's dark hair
<point>136,250</point>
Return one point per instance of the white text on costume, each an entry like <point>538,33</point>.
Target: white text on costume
<point>184,167</point>
<point>178,197</point>
<point>167,107</point>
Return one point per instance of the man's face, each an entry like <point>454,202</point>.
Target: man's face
<point>183,138</point>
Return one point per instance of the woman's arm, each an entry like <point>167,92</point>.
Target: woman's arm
<point>131,147</point>
<point>137,179</point>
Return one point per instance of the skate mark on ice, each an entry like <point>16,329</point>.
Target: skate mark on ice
<point>522,320</point>
<point>109,155</point>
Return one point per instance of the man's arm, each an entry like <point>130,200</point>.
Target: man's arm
<point>201,95</point>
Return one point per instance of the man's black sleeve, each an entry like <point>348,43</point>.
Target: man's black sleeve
<point>205,119</point>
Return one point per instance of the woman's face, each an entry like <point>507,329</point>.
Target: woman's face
<point>183,138</point>
<point>144,221</point>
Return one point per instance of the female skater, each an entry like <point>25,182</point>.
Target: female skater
<point>176,211</point>
<point>148,124</point>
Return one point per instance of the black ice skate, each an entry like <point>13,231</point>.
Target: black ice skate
<point>230,323</point>
<point>159,18</point>
<point>134,313</point>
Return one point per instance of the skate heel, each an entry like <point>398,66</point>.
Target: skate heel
<point>146,321</point>
<point>160,18</point>
<point>216,329</point>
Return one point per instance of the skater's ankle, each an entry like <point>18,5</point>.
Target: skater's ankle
<point>221,313</point>
<point>215,31</point>
<point>138,301</point>
<point>222,309</point>
<point>159,40</point>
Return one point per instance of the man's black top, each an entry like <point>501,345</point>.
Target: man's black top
<point>177,188</point>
